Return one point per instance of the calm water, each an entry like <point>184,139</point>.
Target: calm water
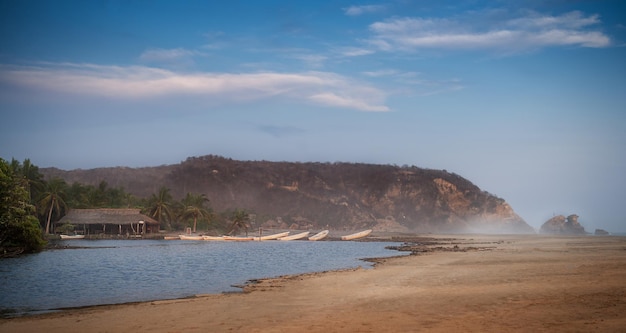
<point>120,271</point>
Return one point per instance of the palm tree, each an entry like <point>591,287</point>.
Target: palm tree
<point>53,199</point>
<point>239,221</point>
<point>193,206</point>
<point>159,206</point>
<point>29,176</point>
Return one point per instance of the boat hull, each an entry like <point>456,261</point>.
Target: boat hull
<point>295,237</point>
<point>319,236</point>
<point>357,235</point>
<point>72,236</point>
<point>272,237</point>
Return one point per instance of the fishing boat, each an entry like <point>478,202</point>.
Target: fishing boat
<point>72,236</point>
<point>213,238</point>
<point>318,236</point>
<point>189,237</point>
<point>272,237</point>
<point>295,237</point>
<point>238,238</point>
<point>357,235</point>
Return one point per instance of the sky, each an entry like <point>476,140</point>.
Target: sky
<point>526,99</point>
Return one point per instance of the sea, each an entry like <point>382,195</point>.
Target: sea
<point>97,272</point>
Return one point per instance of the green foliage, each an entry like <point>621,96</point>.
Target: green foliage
<point>193,207</point>
<point>19,228</point>
<point>52,201</point>
<point>239,220</point>
<point>66,229</point>
<point>160,207</point>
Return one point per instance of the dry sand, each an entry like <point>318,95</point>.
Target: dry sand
<point>498,284</point>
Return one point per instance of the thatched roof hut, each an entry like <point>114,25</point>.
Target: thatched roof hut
<point>110,221</point>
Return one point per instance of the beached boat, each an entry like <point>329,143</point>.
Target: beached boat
<point>295,237</point>
<point>213,238</point>
<point>238,238</point>
<point>171,237</point>
<point>72,236</point>
<point>189,237</point>
<point>318,236</point>
<point>357,235</point>
<point>272,237</point>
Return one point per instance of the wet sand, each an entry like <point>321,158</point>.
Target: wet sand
<point>486,284</point>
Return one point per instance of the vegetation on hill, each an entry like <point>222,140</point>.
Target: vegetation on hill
<point>30,205</point>
<point>321,195</point>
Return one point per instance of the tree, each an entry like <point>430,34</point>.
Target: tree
<point>53,200</point>
<point>19,229</point>
<point>239,220</point>
<point>29,177</point>
<point>194,206</point>
<point>159,206</point>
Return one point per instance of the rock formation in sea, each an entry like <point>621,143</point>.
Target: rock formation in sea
<point>561,225</point>
<point>346,196</point>
<point>601,232</point>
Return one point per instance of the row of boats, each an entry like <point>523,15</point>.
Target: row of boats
<point>283,236</point>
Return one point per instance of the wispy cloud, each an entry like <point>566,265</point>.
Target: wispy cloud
<point>513,35</point>
<point>353,51</point>
<point>166,55</point>
<point>141,82</point>
<point>381,73</point>
<point>360,10</point>
<point>311,60</point>
<point>415,83</point>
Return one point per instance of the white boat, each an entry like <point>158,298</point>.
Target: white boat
<point>357,235</point>
<point>318,236</point>
<point>213,238</point>
<point>294,237</point>
<point>189,237</point>
<point>238,238</point>
<point>72,236</point>
<point>272,237</point>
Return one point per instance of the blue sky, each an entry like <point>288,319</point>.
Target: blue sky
<point>527,99</point>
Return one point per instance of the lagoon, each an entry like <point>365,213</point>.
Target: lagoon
<point>121,271</point>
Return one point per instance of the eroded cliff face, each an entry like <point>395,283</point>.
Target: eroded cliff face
<point>329,195</point>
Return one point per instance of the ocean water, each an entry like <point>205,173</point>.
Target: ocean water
<point>121,271</point>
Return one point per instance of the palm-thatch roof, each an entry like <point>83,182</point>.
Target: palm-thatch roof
<point>106,216</point>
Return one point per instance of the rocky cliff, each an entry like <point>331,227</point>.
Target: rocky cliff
<point>323,195</point>
<point>562,225</point>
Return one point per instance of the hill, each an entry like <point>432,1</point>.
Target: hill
<point>345,196</point>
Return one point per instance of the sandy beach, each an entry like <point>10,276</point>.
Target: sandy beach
<point>467,283</point>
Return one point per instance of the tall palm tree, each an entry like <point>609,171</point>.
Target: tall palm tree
<point>194,206</point>
<point>53,199</point>
<point>29,176</point>
<point>159,206</point>
<point>239,221</point>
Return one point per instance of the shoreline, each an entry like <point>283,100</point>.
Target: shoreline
<point>537,278</point>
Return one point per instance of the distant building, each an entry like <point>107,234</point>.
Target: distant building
<point>109,221</point>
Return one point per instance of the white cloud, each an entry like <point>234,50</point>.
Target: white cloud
<point>140,82</point>
<point>529,32</point>
<point>381,73</point>
<point>334,100</point>
<point>360,10</point>
<point>166,55</point>
<point>353,52</point>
